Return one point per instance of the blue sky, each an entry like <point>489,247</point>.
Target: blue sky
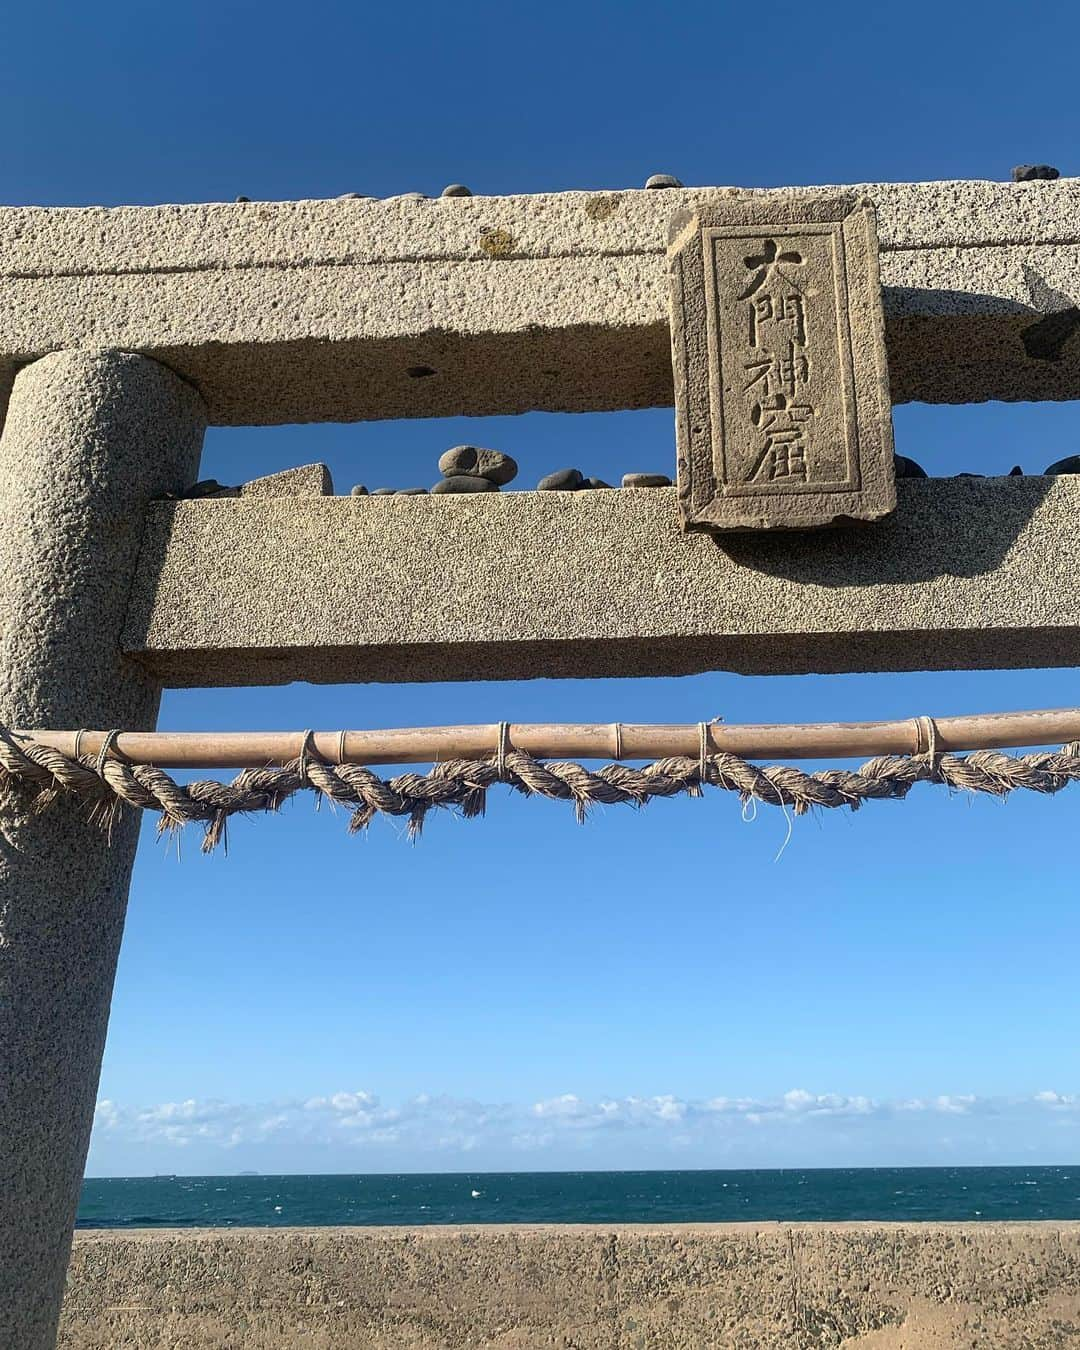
<point>655,988</point>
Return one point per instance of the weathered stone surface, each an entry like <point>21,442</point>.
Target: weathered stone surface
<point>473,459</point>
<point>599,483</point>
<point>464,482</point>
<point>645,480</point>
<point>358,490</point>
<point>309,480</point>
<point>562,480</point>
<point>782,411</point>
<point>765,1286</point>
<point>966,573</point>
<point>293,312</point>
<point>90,438</point>
<point>662,180</point>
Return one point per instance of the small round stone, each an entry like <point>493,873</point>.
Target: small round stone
<point>383,492</point>
<point>358,490</point>
<point>206,487</point>
<point>465,482</point>
<point>1031,173</point>
<point>562,480</point>
<point>411,492</point>
<point>456,190</point>
<point>1015,472</point>
<point>1071,464</point>
<point>243,199</point>
<point>595,483</point>
<point>351,197</point>
<point>481,463</point>
<point>646,480</point>
<point>907,468</point>
<point>662,180</point>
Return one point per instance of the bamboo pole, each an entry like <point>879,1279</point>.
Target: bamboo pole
<point>559,740</point>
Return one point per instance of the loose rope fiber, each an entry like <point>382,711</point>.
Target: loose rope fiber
<point>106,785</point>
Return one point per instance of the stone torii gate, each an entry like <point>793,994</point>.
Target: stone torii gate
<point>124,332</point>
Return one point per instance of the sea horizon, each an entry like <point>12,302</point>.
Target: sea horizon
<point>688,1195</point>
<point>579,1171</point>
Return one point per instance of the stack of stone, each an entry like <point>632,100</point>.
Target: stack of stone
<point>465,468</point>
<point>573,480</point>
<point>469,468</point>
<point>569,480</point>
<point>908,468</point>
<point>361,491</point>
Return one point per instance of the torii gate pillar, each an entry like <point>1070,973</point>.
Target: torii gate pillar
<point>90,437</point>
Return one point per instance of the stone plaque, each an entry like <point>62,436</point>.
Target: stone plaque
<point>783,418</point>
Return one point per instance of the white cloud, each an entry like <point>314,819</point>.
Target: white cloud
<point>358,1131</point>
<point>952,1104</point>
<point>1058,1100</point>
<point>568,1107</point>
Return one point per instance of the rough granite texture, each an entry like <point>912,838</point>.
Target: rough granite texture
<point>967,573</point>
<point>308,480</point>
<point>88,441</point>
<point>782,410</point>
<point>340,310</point>
<point>761,1286</point>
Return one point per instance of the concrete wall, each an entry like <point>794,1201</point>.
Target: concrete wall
<point>738,1286</point>
<point>330,310</point>
<point>967,573</point>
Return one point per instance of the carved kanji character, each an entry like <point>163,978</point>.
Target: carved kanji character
<point>783,455</point>
<point>764,263</point>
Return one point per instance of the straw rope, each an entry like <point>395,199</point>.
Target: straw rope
<point>105,785</point>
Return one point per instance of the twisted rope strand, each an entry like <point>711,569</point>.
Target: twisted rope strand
<point>107,785</point>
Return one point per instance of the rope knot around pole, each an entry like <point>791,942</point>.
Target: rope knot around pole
<point>501,750</point>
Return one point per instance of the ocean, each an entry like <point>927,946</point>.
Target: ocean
<point>832,1195</point>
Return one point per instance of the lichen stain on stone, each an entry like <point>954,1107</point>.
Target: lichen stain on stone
<point>497,243</point>
<point>602,206</point>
